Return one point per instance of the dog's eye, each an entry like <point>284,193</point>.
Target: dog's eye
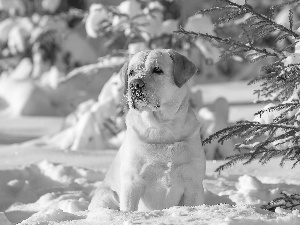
<point>130,73</point>
<point>157,70</point>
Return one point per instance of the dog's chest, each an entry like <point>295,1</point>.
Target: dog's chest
<point>163,189</point>
<point>167,178</point>
<point>166,163</point>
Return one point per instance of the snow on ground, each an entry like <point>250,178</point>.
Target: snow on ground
<point>20,129</point>
<point>58,191</point>
<point>44,186</point>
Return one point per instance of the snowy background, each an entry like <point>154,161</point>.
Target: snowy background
<point>62,111</point>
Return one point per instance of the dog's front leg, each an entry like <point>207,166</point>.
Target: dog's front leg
<point>193,195</point>
<point>130,195</point>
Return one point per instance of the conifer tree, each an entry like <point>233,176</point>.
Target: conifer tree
<point>275,129</point>
<point>278,123</point>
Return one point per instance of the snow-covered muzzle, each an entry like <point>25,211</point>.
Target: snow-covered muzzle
<point>140,96</point>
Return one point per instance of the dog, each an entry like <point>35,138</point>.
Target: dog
<point>161,162</point>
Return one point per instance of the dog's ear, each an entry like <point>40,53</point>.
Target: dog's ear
<point>183,69</point>
<point>124,76</point>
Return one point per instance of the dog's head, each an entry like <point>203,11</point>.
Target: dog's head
<point>152,77</point>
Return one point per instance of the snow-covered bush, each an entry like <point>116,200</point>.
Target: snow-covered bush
<point>130,22</point>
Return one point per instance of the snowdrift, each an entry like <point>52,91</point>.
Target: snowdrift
<point>59,190</point>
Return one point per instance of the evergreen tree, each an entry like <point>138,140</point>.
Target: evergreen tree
<point>275,130</point>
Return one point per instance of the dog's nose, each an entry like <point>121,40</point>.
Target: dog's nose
<point>138,83</point>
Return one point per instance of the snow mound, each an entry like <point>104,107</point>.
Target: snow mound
<point>20,187</point>
<point>249,190</point>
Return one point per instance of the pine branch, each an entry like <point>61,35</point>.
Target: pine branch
<point>228,41</point>
<point>286,201</point>
<point>278,134</point>
<point>236,130</point>
<point>232,160</point>
<point>247,8</point>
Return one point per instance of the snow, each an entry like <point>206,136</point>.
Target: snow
<point>58,190</point>
<point>11,5</point>
<point>44,185</point>
<point>130,7</point>
<point>97,14</point>
<point>50,5</point>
